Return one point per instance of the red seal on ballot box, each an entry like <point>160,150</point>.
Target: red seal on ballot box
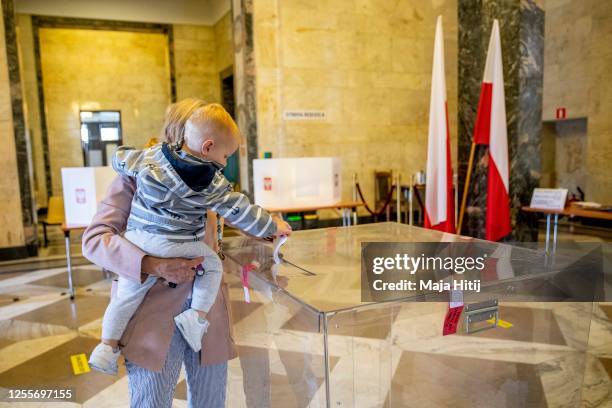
<point>451,320</point>
<point>455,307</point>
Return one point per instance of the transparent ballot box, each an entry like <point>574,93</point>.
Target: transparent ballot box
<point>306,339</point>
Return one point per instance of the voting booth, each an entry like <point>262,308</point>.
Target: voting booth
<point>293,183</point>
<point>306,338</point>
<point>83,188</point>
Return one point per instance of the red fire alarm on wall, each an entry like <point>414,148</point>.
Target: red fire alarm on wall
<point>561,113</point>
<point>267,183</point>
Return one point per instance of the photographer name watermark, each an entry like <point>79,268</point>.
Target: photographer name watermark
<point>427,285</point>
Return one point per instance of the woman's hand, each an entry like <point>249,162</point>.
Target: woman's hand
<point>176,270</point>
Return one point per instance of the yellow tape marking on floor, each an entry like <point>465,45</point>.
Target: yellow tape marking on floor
<point>501,323</point>
<point>79,364</point>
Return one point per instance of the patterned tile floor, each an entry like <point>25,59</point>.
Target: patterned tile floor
<point>553,356</point>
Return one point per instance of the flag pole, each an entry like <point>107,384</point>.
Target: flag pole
<point>466,187</point>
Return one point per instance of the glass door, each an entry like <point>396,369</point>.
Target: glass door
<point>100,136</point>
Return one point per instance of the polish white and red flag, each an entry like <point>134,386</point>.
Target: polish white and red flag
<point>439,199</point>
<point>490,129</point>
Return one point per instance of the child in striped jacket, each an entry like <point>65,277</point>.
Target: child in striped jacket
<point>175,186</point>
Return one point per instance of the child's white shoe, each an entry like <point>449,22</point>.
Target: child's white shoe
<point>104,359</point>
<point>191,328</point>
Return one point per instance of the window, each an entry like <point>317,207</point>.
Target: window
<point>100,136</point>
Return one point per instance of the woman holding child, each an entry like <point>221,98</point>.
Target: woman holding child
<point>153,347</point>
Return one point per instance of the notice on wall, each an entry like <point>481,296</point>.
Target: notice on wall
<point>548,198</point>
<point>304,115</point>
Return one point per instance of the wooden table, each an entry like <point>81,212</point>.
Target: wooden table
<point>571,211</point>
<point>347,208</point>
<point>67,229</point>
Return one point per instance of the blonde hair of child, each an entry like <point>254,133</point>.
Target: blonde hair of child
<point>176,117</point>
<point>210,122</point>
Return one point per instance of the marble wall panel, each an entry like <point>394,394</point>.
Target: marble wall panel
<point>16,206</point>
<point>567,48</point>
<point>96,70</point>
<point>31,104</point>
<point>245,89</point>
<point>367,64</point>
<point>565,154</point>
<point>196,62</point>
<point>576,65</point>
<point>599,144</point>
<point>224,46</point>
<point>70,64</point>
<point>191,58</point>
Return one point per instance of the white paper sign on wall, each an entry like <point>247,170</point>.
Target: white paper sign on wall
<point>549,198</point>
<point>304,115</point>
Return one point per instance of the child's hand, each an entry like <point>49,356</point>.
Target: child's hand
<point>282,228</point>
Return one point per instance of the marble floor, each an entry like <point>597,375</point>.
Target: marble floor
<point>553,356</point>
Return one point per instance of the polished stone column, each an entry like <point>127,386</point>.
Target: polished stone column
<point>22,148</point>
<point>522,36</point>
<point>244,88</point>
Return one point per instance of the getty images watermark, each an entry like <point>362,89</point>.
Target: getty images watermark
<point>430,271</point>
<point>410,264</point>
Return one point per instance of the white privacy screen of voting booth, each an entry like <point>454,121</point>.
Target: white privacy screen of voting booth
<point>84,187</point>
<point>294,183</point>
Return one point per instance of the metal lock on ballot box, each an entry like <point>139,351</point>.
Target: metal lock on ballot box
<point>476,313</point>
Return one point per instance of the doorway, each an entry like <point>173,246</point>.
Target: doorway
<point>232,170</point>
<point>100,136</point>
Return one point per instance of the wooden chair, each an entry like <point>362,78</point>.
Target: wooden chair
<point>419,194</point>
<point>382,184</point>
<point>55,215</point>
